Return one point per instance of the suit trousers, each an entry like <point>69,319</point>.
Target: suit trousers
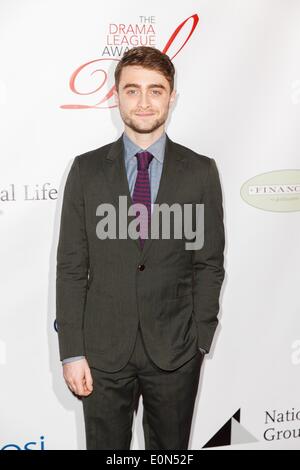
<point>168,403</point>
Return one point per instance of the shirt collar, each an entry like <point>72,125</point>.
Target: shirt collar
<point>157,148</point>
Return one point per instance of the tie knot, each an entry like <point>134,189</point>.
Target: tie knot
<point>143,160</point>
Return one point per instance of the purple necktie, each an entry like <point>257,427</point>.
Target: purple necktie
<point>142,192</point>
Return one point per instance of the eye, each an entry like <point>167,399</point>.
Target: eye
<point>156,92</point>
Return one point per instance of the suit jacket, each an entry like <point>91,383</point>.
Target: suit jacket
<point>106,287</point>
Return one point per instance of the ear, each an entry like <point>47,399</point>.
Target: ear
<point>172,96</point>
<point>116,95</point>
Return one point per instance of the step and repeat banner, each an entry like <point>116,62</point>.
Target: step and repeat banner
<point>238,100</point>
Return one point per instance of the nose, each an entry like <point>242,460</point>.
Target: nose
<point>143,100</point>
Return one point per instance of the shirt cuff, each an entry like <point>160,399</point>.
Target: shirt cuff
<point>72,359</point>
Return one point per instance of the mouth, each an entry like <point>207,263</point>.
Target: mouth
<point>144,114</point>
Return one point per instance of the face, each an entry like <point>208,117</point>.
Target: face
<point>143,98</point>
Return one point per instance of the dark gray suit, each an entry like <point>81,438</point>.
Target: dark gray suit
<point>106,288</point>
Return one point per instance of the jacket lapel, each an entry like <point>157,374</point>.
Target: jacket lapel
<point>115,173</point>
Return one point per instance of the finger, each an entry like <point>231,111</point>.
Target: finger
<point>79,387</point>
<point>71,386</point>
<point>88,379</point>
<point>86,390</point>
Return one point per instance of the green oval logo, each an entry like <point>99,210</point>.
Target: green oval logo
<point>276,191</point>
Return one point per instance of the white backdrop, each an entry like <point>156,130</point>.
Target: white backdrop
<point>238,84</point>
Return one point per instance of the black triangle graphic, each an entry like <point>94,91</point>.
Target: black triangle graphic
<point>223,436</point>
<point>237,416</point>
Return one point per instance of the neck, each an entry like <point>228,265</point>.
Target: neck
<point>144,140</point>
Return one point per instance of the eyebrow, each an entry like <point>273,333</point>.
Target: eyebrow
<point>152,85</point>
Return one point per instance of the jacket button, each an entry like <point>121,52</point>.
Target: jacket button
<point>141,267</point>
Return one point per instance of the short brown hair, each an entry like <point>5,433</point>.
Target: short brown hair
<point>149,58</point>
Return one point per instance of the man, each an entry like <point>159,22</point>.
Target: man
<point>135,316</point>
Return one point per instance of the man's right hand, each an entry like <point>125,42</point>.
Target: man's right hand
<point>77,375</point>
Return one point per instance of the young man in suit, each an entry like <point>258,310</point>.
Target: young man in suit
<point>135,316</point>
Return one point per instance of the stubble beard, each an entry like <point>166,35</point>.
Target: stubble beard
<point>144,130</point>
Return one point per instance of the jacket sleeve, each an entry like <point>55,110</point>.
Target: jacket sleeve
<point>208,269</point>
<point>72,268</point>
